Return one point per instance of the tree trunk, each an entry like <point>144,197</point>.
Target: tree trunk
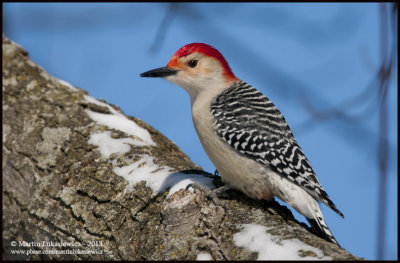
<point>78,185</point>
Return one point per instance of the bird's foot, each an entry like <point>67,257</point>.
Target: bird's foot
<point>212,194</point>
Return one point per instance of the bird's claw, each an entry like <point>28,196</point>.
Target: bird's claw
<point>212,194</point>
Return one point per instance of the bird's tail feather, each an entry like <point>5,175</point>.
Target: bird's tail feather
<point>319,226</point>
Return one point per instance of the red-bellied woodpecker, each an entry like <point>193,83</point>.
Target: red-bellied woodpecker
<point>245,135</point>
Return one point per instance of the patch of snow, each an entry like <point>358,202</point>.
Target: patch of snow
<point>94,101</point>
<point>144,170</point>
<point>178,181</point>
<point>63,82</point>
<point>256,238</point>
<point>204,256</point>
<point>118,121</point>
<point>159,179</point>
<point>107,145</point>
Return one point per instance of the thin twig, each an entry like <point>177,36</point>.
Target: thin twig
<point>383,153</point>
<point>163,28</point>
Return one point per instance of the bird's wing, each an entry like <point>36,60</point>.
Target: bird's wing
<point>251,124</point>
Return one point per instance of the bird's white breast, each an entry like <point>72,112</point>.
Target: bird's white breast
<point>242,173</point>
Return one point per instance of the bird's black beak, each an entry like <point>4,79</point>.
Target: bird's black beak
<point>159,72</point>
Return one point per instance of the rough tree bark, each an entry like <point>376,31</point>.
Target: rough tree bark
<point>59,189</point>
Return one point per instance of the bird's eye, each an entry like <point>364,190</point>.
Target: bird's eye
<point>192,63</point>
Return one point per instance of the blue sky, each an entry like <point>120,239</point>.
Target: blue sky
<point>296,54</point>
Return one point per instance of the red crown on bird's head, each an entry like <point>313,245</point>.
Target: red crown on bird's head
<point>206,50</point>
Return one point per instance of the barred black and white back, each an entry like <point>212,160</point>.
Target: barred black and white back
<point>250,123</point>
